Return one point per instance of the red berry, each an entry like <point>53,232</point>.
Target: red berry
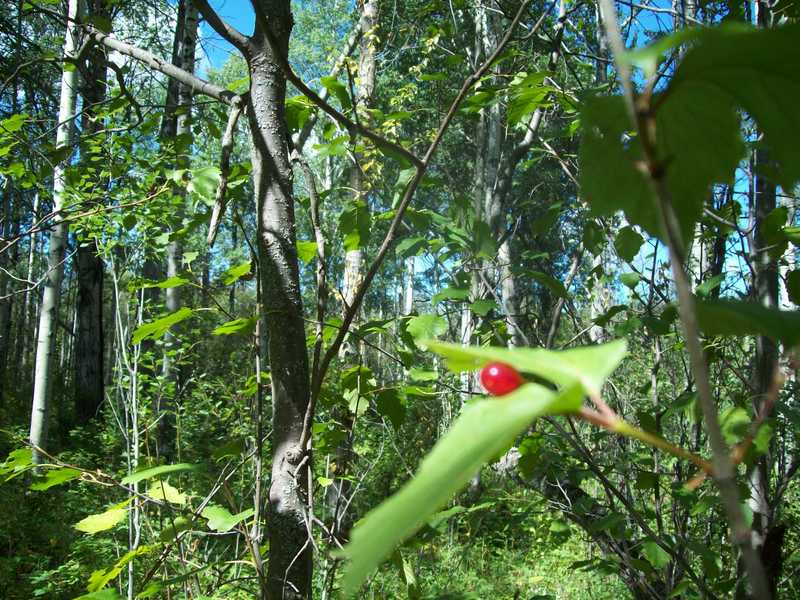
<point>500,379</point>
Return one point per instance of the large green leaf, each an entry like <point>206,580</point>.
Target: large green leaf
<point>698,139</point>
<point>17,462</point>
<point>426,326</point>
<point>739,318</point>
<point>354,225</point>
<point>241,325</point>
<point>164,492</point>
<point>157,471</point>
<point>55,477</point>
<point>758,70</point>
<point>483,430</point>
<point>101,577</point>
<point>589,365</point>
<point>337,90</point>
<point>627,243</point>
<point>235,272</point>
<point>155,329</point>
<point>106,594</point>
<point>204,182</point>
<point>220,519</point>
<point>104,520</point>
<point>697,124</point>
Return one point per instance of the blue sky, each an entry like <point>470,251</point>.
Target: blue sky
<point>238,13</point>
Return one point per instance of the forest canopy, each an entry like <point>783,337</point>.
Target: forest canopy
<point>434,300</point>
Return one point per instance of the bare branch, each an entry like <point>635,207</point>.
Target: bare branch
<point>220,201</point>
<point>167,68</point>
<point>240,41</point>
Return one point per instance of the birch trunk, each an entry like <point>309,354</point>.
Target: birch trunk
<point>48,316</point>
<point>187,33</point>
<point>337,493</point>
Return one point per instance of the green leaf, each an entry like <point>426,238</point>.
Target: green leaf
<point>337,90</point>
<point>220,519</point>
<point>655,554</point>
<point>704,289</point>
<point>740,318</point>
<point>735,424</point>
<point>354,224</point>
<point>173,528</point>
<point>450,293</point>
<point>390,404</point>
<point>14,122</point>
<point>103,521</point>
<point>306,251</point>
<point>590,365</point>
<point>411,246</point>
<point>417,374</point>
<point>18,461</point>
<point>741,63</point>
<point>426,326</point>
<point>157,472</point>
<point>172,282</point>
<point>483,306</point>
<point>553,284</point>
<point>204,182</point>
<point>483,430</point>
<point>99,579</point>
<point>698,138</point>
<point>526,96</point>
<point>236,326</point>
<point>630,280</point>
<point>106,594</point>
<point>163,491</point>
<point>627,243</point>
<point>155,329</point>
<point>235,273</point>
<point>56,477</point>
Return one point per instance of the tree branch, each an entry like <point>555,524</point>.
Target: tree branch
<point>333,349</point>
<point>348,124</point>
<point>302,137</point>
<point>163,66</point>
<point>237,39</point>
<point>224,171</point>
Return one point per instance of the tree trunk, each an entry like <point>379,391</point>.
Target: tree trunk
<point>29,298</point>
<point>48,317</point>
<point>337,493</point>
<point>89,351</point>
<point>5,298</point>
<point>187,34</point>
<point>89,341</point>
<point>290,554</point>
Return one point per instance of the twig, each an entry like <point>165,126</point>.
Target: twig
<point>643,119</point>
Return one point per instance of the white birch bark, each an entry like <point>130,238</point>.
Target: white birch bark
<point>48,316</point>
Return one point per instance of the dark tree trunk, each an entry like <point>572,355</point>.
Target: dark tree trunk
<point>5,302</point>
<point>89,353</point>
<point>89,340</point>
<point>290,566</point>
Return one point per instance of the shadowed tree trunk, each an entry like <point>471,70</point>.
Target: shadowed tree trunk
<point>89,266</point>
<point>289,569</point>
<point>5,299</point>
